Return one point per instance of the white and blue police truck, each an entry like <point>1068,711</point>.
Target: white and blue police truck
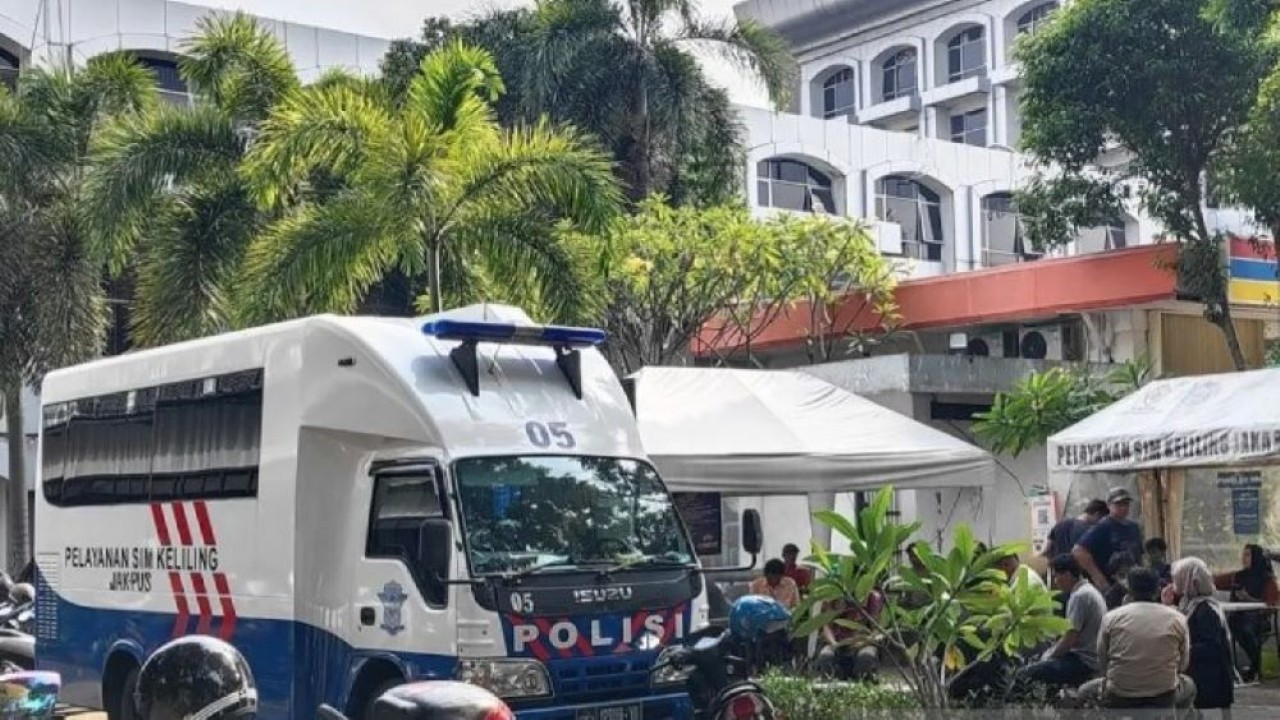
<point>358,502</point>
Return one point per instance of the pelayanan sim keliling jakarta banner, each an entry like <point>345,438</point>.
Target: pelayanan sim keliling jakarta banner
<point>1217,447</point>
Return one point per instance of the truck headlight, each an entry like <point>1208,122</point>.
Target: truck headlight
<point>669,674</point>
<point>507,678</point>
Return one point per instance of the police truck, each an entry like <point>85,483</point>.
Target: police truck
<point>358,502</point>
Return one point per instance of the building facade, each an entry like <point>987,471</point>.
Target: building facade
<point>906,117</point>
<point>44,33</point>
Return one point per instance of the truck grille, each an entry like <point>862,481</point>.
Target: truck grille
<point>590,680</point>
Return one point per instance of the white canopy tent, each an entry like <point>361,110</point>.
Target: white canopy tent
<point>765,433</point>
<point>1231,420</point>
<point>1200,421</point>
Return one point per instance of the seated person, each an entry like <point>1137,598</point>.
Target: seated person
<point>1157,558</point>
<point>790,558</point>
<point>851,653</point>
<point>1073,659</point>
<point>775,584</point>
<point>1012,565</point>
<point>1143,649</point>
<point>1118,568</point>
<point>1254,582</point>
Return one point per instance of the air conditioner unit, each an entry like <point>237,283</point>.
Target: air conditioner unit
<point>1040,343</point>
<point>989,345</point>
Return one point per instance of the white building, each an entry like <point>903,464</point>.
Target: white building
<point>35,33</point>
<point>906,116</point>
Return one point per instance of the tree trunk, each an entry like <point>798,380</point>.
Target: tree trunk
<point>433,277</point>
<point>19,549</point>
<point>1228,328</point>
<point>641,172</point>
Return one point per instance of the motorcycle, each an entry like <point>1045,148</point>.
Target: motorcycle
<point>718,679</point>
<point>431,700</point>
<point>29,694</point>
<point>17,619</point>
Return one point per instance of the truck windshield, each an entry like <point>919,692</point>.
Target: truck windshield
<point>558,512</point>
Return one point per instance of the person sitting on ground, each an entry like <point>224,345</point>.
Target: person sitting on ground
<point>1192,593</point>
<point>1118,568</point>
<point>1255,582</point>
<point>1012,566</point>
<point>1115,533</point>
<point>802,576</point>
<point>851,653</point>
<point>1143,649</point>
<point>1157,557</point>
<point>1073,659</point>
<point>1068,531</point>
<point>775,584</point>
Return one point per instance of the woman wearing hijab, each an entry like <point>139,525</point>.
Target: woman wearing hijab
<point>1192,592</point>
<point>1255,582</point>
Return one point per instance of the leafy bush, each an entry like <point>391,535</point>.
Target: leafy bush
<point>802,698</point>
<point>963,609</point>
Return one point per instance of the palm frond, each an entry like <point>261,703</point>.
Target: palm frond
<point>188,266</point>
<point>320,258</point>
<point>110,85</point>
<point>67,310</point>
<point>238,65</point>
<point>749,46</point>
<point>333,128</point>
<point>553,170</point>
<point>139,158</point>
<point>454,88</point>
<point>29,148</point>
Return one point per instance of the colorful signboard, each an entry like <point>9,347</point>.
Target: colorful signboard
<point>1253,273</point>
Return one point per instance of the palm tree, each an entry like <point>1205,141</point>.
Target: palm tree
<point>431,187</point>
<point>624,72</point>
<point>166,198</point>
<point>52,310</point>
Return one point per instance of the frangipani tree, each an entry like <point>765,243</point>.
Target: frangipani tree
<point>966,607</point>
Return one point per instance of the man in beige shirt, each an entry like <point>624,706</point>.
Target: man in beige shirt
<point>1143,649</point>
<point>775,584</point>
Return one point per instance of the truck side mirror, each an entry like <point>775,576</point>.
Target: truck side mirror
<point>752,532</point>
<point>435,548</point>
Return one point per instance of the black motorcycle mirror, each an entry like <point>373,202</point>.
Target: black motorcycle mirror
<point>752,542</point>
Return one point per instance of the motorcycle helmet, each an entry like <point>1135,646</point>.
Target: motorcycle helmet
<point>754,616</point>
<point>440,700</point>
<point>22,593</point>
<point>196,676</point>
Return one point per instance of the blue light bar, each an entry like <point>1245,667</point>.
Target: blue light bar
<point>551,335</point>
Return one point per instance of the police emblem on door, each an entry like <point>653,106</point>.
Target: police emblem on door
<point>392,597</point>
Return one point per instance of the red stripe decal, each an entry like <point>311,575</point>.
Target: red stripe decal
<point>536,647</point>
<point>180,519</point>
<point>162,528</point>
<point>202,519</point>
<point>202,600</point>
<point>544,627</point>
<point>228,606</point>
<point>180,598</point>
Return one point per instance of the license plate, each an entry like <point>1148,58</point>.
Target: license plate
<point>617,712</point>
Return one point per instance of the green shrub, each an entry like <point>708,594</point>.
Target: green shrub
<point>802,698</point>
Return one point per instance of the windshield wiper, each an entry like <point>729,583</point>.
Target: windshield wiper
<point>647,561</point>
<point>534,569</point>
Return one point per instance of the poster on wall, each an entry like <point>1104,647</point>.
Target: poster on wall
<point>701,514</point>
<point>1044,513</point>
<point>1246,505</point>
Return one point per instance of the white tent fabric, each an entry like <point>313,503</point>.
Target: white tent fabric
<point>757,432</point>
<point>1199,421</point>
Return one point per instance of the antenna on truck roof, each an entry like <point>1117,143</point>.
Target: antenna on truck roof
<point>566,341</point>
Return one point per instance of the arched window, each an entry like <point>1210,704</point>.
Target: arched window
<point>1036,18</point>
<point>168,80</point>
<point>793,185</point>
<point>8,69</point>
<point>966,54</point>
<point>899,74</point>
<point>838,94</point>
<point>917,209</point>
